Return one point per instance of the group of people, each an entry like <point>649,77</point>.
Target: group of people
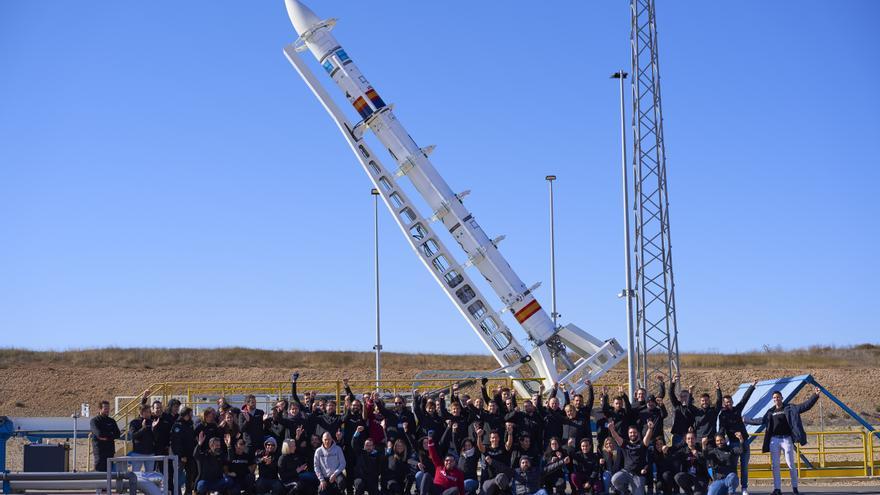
<point>494,444</point>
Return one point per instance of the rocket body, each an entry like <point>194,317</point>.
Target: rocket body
<point>446,205</point>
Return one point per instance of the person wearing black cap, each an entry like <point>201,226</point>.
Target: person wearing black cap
<point>183,442</point>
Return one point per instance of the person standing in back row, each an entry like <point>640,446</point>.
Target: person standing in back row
<point>783,428</point>
<point>684,411</point>
<point>730,422</point>
<point>105,431</point>
<point>706,416</point>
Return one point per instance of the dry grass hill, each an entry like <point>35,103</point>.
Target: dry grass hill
<point>36,383</point>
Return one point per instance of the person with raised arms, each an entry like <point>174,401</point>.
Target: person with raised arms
<point>783,427</point>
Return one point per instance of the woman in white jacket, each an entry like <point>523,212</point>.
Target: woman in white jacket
<point>329,464</point>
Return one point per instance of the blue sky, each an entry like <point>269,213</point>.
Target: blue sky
<point>166,179</point>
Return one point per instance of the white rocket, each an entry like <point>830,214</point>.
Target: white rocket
<point>564,354</point>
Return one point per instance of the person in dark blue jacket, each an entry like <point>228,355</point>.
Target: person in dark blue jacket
<point>783,428</point>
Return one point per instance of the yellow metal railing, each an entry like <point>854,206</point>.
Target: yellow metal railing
<point>832,454</point>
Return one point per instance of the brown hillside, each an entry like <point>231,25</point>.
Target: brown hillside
<point>55,383</point>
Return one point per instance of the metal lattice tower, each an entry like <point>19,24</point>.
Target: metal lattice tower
<point>656,331</point>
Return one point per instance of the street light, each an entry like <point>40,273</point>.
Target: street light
<point>553,313</point>
<point>378,346</point>
<point>627,293</point>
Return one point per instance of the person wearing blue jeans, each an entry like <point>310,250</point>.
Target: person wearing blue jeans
<point>140,431</point>
<point>723,459</point>
<point>743,463</point>
<point>212,476</point>
<point>219,485</point>
<point>724,486</point>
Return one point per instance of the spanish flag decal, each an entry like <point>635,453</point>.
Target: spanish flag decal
<point>362,108</point>
<point>527,311</point>
<point>374,97</point>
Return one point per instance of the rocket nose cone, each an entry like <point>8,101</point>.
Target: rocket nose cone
<point>301,16</point>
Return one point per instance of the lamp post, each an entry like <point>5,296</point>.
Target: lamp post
<point>378,346</point>
<point>553,313</point>
<point>627,293</point>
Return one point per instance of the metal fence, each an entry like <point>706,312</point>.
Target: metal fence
<point>828,454</point>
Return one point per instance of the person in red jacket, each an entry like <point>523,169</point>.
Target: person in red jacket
<point>448,479</point>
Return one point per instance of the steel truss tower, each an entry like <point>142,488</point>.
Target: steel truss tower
<point>656,331</point>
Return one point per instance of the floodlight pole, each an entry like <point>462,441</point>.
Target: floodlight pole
<point>627,292</point>
<point>553,313</point>
<point>378,346</point>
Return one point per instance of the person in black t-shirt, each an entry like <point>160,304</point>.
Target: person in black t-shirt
<point>240,466</point>
<point>631,479</point>
<point>496,471</point>
<point>784,427</point>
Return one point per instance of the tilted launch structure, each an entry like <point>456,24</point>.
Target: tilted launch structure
<point>563,354</point>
